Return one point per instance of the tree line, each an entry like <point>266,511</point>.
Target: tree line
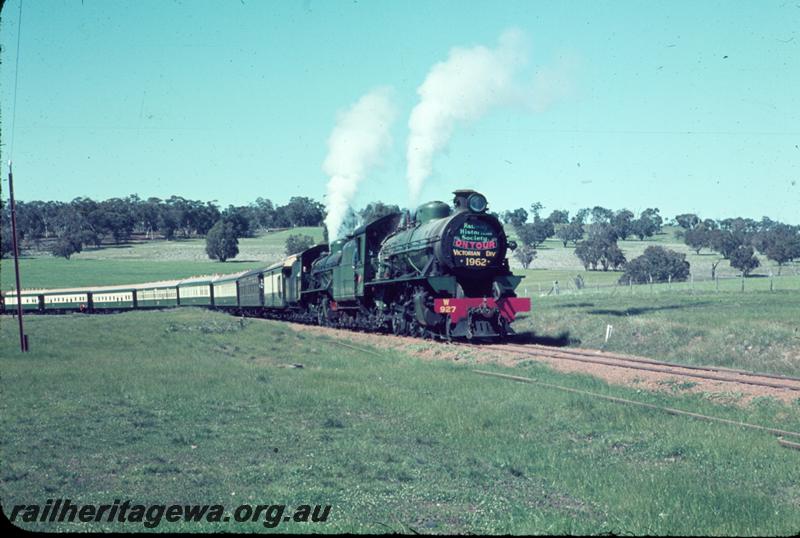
<point>595,242</point>
<point>737,240</point>
<point>65,228</point>
<point>594,233</point>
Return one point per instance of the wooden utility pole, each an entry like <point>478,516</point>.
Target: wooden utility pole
<point>23,339</point>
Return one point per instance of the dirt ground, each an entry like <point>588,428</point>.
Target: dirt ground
<point>719,391</point>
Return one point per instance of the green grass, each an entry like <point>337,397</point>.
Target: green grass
<point>700,322</point>
<point>757,330</point>
<point>540,280</point>
<point>60,273</point>
<point>194,406</point>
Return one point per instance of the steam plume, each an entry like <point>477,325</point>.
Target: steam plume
<point>355,145</point>
<point>462,89</point>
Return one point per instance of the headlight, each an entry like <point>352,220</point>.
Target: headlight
<point>477,203</point>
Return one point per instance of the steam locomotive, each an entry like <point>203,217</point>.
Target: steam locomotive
<point>441,272</point>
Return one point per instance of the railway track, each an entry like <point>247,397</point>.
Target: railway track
<point>641,363</point>
<point>788,385</point>
<point>614,360</point>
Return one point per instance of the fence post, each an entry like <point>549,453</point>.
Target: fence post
<point>651,283</point>
<point>630,284</point>
<point>669,282</point>
<point>691,281</point>
<point>771,281</point>
<point>742,280</point>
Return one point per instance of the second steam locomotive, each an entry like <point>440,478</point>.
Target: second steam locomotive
<point>439,272</point>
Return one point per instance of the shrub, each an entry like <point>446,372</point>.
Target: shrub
<point>743,259</point>
<point>570,232</point>
<point>298,243</point>
<point>781,244</point>
<point>656,262</point>
<point>534,233</point>
<point>525,254</point>
<point>221,241</point>
<point>600,248</point>
<point>697,238</point>
<point>647,225</point>
<point>66,246</point>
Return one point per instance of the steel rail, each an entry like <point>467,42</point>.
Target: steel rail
<point>633,358</point>
<point>597,360</point>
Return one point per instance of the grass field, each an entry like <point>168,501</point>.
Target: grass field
<point>757,330</point>
<point>189,405</point>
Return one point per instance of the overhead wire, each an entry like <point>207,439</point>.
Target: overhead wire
<point>16,84</point>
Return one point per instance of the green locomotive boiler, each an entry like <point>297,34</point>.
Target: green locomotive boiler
<point>440,271</point>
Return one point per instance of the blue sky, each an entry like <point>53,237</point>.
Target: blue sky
<point>685,106</point>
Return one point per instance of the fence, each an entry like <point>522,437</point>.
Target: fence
<point>721,284</point>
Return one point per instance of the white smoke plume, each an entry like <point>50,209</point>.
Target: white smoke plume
<point>462,89</point>
<point>355,145</point>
